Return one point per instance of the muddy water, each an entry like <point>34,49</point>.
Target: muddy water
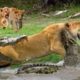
<point>67,73</point>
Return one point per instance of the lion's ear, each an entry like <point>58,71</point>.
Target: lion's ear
<point>67,25</point>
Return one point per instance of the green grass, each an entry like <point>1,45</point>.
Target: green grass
<point>49,58</point>
<point>34,24</point>
<point>53,58</point>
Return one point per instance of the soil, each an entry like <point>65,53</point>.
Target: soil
<point>65,73</point>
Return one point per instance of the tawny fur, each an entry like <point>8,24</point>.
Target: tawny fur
<point>12,16</point>
<point>3,19</point>
<point>43,43</point>
<point>15,16</point>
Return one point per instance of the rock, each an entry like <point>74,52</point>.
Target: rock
<point>75,15</point>
<point>7,40</point>
<point>59,12</point>
<point>45,15</point>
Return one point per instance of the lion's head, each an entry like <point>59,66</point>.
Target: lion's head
<point>5,11</point>
<point>74,28</point>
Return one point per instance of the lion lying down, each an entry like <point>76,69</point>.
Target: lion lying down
<point>45,42</point>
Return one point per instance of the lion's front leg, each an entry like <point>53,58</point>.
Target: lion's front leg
<point>58,48</point>
<point>10,52</point>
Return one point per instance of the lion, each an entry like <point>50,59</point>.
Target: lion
<point>3,20</point>
<point>46,42</point>
<point>13,16</point>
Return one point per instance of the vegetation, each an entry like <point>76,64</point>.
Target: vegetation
<point>34,23</point>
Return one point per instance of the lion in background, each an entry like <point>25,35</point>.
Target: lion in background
<point>43,43</point>
<point>13,16</point>
<point>3,19</point>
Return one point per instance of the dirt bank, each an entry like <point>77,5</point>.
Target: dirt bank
<point>67,73</point>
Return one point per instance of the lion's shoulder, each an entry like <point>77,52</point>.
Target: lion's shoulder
<point>54,27</point>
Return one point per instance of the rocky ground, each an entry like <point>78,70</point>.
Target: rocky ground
<point>66,73</point>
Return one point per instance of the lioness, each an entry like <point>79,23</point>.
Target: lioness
<point>13,15</point>
<point>3,19</point>
<point>45,42</point>
<point>15,18</point>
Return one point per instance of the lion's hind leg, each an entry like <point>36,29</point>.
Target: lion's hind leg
<point>4,60</point>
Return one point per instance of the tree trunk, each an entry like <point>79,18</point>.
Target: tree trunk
<point>71,47</point>
<point>71,57</point>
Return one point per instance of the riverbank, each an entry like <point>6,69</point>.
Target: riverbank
<point>66,73</point>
